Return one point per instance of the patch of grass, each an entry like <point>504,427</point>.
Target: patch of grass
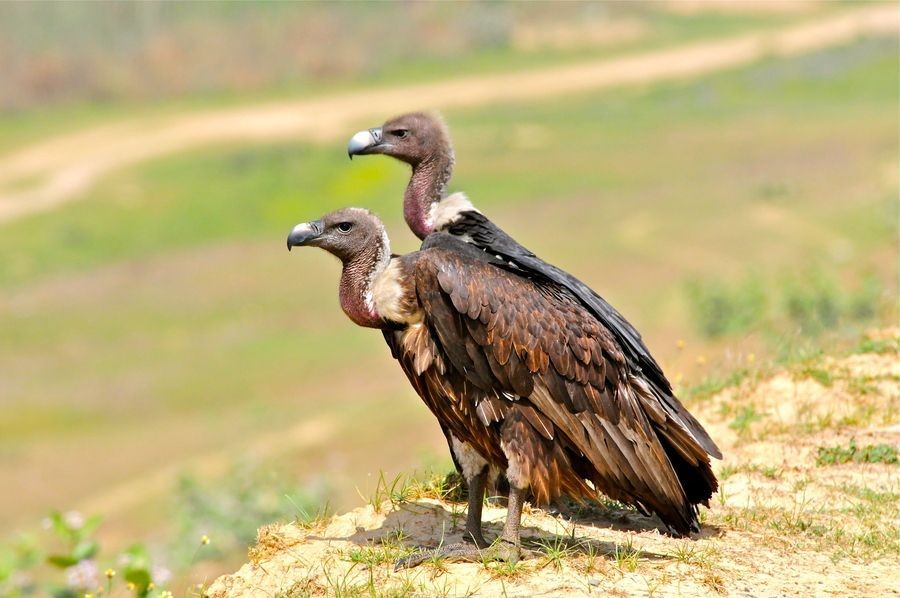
<point>713,385</point>
<point>374,555</point>
<point>506,569</point>
<point>436,563</point>
<point>403,488</point>
<point>685,552</point>
<point>702,560</point>
<point>719,309</point>
<point>797,518</point>
<point>309,518</point>
<point>714,581</point>
<point>627,556</point>
<point>727,471</point>
<point>811,302</point>
<point>744,419</point>
<point>812,371</point>
<point>770,472</point>
<point>880,346</point>
<point>872,496</point>
<point>449,487</point>
<point>591,558</point>
<point>837,455</point>
<point>816,302</point>
<point>861,385</point>
<point>395,491</point>
<point>341,583</point>
<point>555,550</point>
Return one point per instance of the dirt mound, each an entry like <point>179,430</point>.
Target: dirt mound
<point>808,505</point>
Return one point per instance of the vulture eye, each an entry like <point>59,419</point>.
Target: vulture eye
<point>401,133</point>
<point>345,227</point>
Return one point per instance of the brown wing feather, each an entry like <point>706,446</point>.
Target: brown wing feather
<point>572,382</point>
<point>450,396</point>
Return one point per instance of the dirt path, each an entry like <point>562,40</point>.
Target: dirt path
<point>61,169</point>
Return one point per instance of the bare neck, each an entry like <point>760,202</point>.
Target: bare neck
<point>427,186</point>
<point>357,277</point>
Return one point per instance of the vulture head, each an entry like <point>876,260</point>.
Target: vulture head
<point>414,138</point>
<point>348,234</point>
<point>357,238</point>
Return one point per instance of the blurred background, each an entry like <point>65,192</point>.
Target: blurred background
<point>171,378</point>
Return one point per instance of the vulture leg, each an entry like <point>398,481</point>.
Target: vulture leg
<point>510,533</point>
<point>506,548</point>
<point>473,516</point>
<point>476,471</point>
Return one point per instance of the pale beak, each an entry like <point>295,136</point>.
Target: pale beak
<point>370,141</point>
<point>304,234</point>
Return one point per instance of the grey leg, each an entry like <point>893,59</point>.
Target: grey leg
<point>513,517</point>
<point>507,547</point>
<point>473,516</point>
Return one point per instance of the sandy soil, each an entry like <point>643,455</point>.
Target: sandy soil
<point>59,170</point>
<point>781,525</point>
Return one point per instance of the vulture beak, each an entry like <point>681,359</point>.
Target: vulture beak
<point>304,234</point>
<point>370,141</point>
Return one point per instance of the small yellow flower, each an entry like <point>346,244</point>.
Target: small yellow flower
<point>680,344</point>
<point>751,358</point>
<point>130,585</point>
<point>110,573</point>
<point>204,540</point>
<point>151,585</point>
<point>701,360</point>
<point>88,595</point>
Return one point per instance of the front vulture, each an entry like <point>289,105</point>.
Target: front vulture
<point>522,375</point>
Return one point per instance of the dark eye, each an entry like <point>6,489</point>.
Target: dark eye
<point>345,227</point>
<point>401,133</point>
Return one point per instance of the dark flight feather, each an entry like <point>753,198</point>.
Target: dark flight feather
<point>506,252</point>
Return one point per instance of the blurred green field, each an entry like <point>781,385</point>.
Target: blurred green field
<point>487,44</point>
<point>160,317</point>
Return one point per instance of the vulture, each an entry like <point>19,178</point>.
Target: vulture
<point>522,375</point>
<point>421,140</point>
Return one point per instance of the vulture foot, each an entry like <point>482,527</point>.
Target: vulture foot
<point>501,550</point>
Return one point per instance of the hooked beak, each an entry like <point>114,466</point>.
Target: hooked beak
<point>304,234</point>
<point>370,141</point>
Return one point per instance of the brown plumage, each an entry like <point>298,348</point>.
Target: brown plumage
<point>532,369</point>
<point>518,371</point>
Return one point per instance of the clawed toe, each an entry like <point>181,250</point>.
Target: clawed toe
<point>457,552</point>
<point>465,552</point>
